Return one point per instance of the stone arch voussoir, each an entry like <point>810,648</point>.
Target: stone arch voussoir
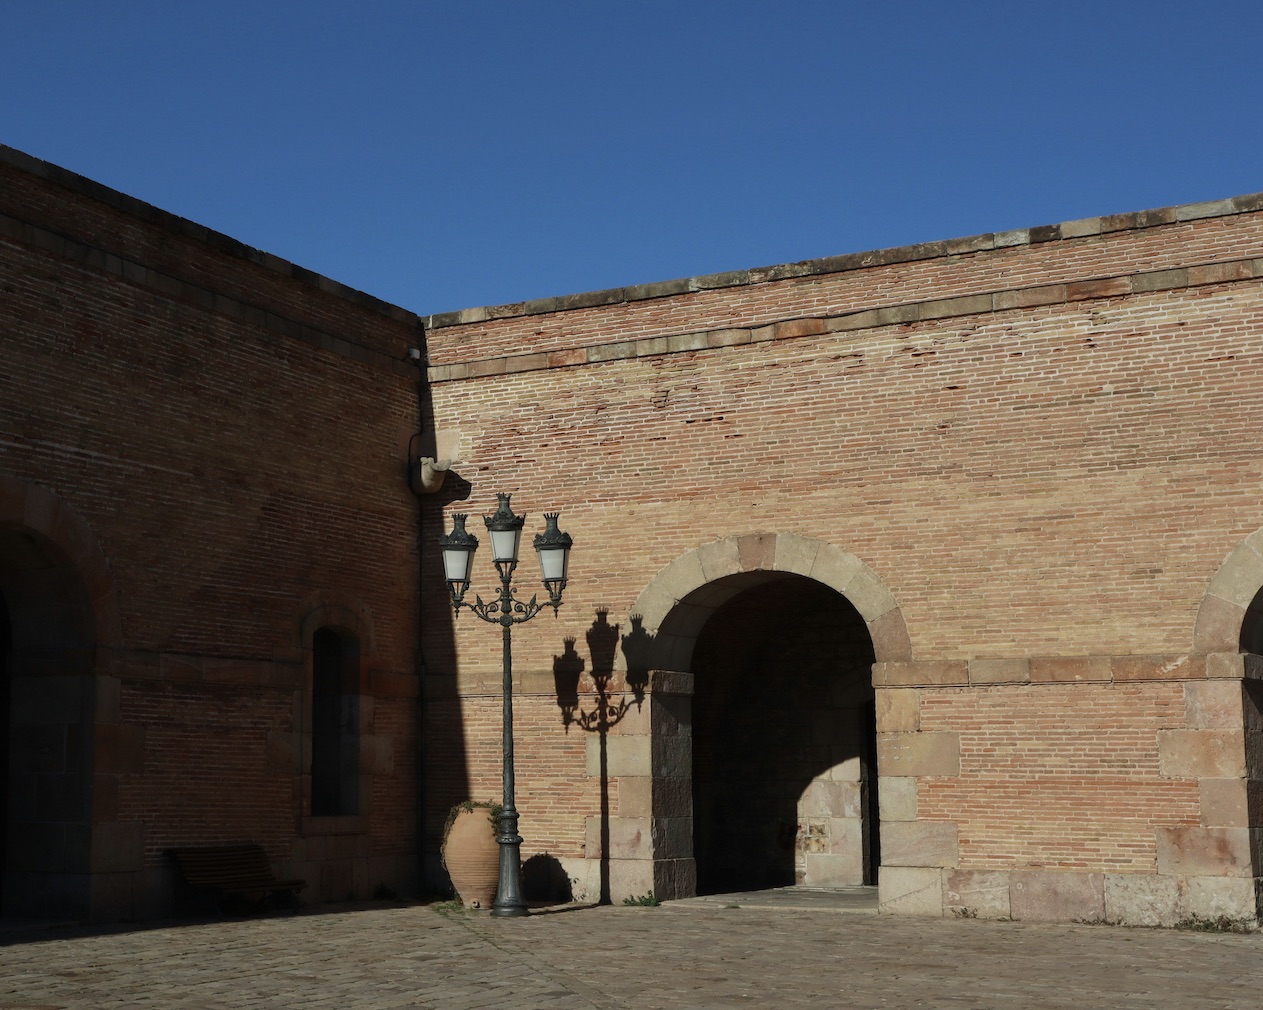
<point>32,507</point>
<point>329,608</point>
<point>1228,596</point>
<point>681,597</point>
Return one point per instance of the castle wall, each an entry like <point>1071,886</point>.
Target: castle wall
<point>1043,446</point>
<point>231,431</point>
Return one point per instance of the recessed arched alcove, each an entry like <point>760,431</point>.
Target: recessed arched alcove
<point>47,637</point>
<point>784,776</point>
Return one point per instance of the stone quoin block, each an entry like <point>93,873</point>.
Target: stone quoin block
<point>919,843</point>
<point>910,890</point>
<point>918,754</point>
<point>1204,852</point>
<point>897,798</point>
<point>1201,753</point>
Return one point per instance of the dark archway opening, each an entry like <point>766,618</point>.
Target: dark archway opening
<point>784,742</point>
<point>6,718</point>
<point>1252,626</point>
<point>47,640</point>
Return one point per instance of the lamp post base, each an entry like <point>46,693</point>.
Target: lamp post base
<point>509,900</point>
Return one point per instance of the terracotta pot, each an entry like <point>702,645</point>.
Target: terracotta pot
<point>472,857</point>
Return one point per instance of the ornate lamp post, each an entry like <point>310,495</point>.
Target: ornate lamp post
<point>553,547</point>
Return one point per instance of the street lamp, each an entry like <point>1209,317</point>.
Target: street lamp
<point>553,547</point>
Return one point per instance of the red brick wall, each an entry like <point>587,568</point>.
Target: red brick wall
<point>1058,775</point>
<point>1043,444</point>
<point>233,431</point>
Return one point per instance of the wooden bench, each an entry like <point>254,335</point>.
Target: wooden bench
<point>239,874</point>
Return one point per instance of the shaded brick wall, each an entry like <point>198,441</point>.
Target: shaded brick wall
<point>232,430</point>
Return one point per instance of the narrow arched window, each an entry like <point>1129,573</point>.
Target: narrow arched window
<point>335,723</point>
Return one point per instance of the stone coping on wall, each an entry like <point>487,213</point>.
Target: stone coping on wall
<point>1068,670</point>
<point>133,207</point>
<point>999,300</point>
<point>178,289</point>
<point>1082,228</point>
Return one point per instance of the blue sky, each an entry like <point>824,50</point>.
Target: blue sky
<point>448,154</point>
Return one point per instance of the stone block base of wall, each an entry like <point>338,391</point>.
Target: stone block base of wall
<point>1129,899</point>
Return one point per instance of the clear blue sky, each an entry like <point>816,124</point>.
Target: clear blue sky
<point>454,153</point>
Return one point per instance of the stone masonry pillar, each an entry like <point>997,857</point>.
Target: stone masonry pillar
<point>649,763</point>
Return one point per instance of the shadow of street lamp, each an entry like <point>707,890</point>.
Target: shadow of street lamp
<point>506,610</point>
<point>603,639</point>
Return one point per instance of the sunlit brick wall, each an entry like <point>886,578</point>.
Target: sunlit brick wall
<point>1043,443</point>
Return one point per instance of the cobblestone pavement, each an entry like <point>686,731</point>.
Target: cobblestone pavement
<point>680,956</point>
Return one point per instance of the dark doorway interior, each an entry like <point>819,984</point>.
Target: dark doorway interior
<point>784,775</point>
<point>6,719</point>
<point>47,642</point>
<point>1252,626</point>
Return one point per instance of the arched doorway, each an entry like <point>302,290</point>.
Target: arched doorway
<point>784,740</point>
<point>47,631</point>
<point>793,598</point>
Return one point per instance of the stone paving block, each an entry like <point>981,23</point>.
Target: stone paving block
<point>680,956</point>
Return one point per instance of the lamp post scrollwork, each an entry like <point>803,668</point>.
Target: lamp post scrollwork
<point>506,610</point>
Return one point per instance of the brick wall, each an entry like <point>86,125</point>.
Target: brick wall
<point>1042,444</point>
<point>232,431</point>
